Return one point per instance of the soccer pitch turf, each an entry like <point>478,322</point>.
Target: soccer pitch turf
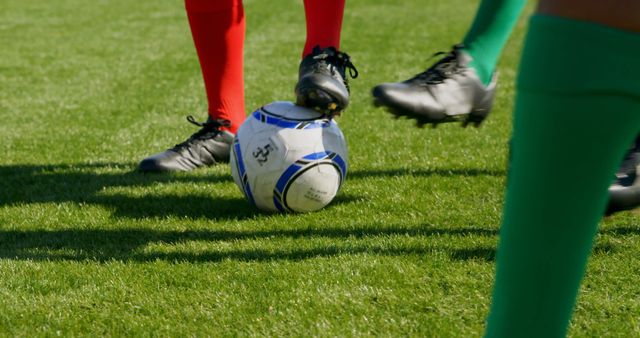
<point>88,247</point>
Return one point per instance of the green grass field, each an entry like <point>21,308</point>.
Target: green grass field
<point>89,247</point>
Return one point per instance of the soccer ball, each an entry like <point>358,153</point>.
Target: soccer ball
<point>289,158</point>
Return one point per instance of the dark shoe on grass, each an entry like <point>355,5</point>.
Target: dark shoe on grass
<point>206,147</point>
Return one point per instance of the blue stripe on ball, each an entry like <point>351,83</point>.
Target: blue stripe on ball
<point>290,124</point>
<point>242,172</point>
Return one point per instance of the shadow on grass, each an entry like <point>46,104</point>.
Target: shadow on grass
<point>126,245</point>
<point>480,253</point>
<point>489,253</point>
<point>622,231</point>
<point>85,183</point>
<point>441,172</point>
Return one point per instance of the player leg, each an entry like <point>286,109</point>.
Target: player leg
<point>557,190</point>
<point>460,86</point>
<point>218,30</point>
<point>322,82</point>
<point>624,193</point>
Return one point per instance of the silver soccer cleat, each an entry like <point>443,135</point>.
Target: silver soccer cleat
<point>448,91</point>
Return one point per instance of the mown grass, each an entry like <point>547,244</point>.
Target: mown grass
<point>89,247</point>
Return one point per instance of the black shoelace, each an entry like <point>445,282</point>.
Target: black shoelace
<point>335,58</point>
<point>441,70</point>
<point>209,129</point>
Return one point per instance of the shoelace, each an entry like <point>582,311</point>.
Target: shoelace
<point>209,129</point>
<point>441,69</point>
<point>337,59</point>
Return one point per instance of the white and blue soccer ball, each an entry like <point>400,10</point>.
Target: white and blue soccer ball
<point>289,158</point>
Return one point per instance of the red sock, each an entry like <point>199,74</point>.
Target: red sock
<point>324,22</point>
<point>218,29</point>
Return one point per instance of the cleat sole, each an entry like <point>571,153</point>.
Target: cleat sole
<point>473,118</point>
<point>320,101</point>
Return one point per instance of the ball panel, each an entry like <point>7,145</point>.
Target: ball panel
<point>310,183</point>
<point>313,188</point>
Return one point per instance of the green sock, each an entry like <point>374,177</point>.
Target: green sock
<point>491,28</point>
<point>572,126</point>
